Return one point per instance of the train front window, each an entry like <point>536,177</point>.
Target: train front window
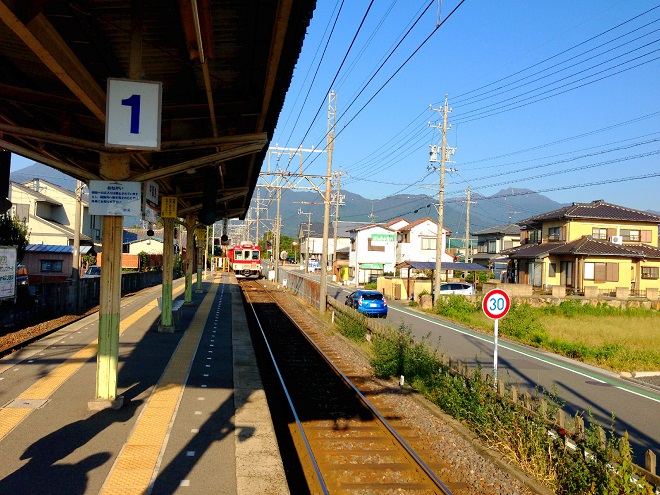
<point>255,255</point>
<point>246,255</point>
<point>238,255</point>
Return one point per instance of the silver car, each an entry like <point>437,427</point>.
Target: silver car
<point>460,288</point>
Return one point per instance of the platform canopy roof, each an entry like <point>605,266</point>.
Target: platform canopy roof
<point>225,67</point>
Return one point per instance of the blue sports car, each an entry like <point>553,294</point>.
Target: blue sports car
<point>368,302</point>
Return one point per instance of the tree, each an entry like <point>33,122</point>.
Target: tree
<point>13,232</point>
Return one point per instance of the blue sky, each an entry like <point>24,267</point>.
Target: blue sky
<point>560,139</point>
<point>570,143</point>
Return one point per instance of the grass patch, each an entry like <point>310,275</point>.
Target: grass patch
<point>602,335</point>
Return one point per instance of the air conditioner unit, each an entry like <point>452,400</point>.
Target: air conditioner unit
<point>616,239</point>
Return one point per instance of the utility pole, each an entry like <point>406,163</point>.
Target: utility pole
<point>309,231</point>
<point>278,226</point>
<point>339,201</point>
<point>332,113</point>
<point>76,244</point>
<point>467,226</point>
<point>445,152</point>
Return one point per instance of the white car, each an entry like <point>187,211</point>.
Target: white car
<point>460,288</point>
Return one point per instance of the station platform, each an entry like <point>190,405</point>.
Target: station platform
<point>194,417</point>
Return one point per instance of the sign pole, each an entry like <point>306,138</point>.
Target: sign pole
<point>496,304</point>
<point>495,353</point>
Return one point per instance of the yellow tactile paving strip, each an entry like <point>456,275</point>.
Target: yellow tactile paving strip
<point>134,467</point>
<point>45,386</point>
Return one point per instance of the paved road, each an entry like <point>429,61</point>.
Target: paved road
<point>635,405</point>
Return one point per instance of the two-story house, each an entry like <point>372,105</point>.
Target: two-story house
<point>49,212</point>
<point>416,241</point>
<point>595,244</point>
<point>373,252</point>
<point>490,244</point>
<point>311,240</point>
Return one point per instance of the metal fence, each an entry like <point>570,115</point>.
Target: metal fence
<point>52,300</point>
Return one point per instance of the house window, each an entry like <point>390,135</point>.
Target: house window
<point>556,233</point>
<point>533,236</point>
<point>601,272</point>
<point>492,246</point>
<point>651,272</point>
<point>51,266</point>
<point>630,235</point>
<point>600,234</point>
<point>429,243</point>
<point>371,247</point>
<point>552,270</point>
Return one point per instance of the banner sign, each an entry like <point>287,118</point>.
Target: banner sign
<point>114,198</point>
<point>201,235</point>
<point>168,208</point>
<point>150,210</point>
<point>7,272</point>
<point>382,238</point>
<point>371,266</point>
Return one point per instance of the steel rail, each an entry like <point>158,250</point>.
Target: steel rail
<point>404,445</point>
<point>320,479</point>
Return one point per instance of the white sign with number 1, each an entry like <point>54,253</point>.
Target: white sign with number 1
<point>133,114</point>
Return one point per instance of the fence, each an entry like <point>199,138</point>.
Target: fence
<point>559,425</point>
<point>59,298</point>
<point>304,287</point>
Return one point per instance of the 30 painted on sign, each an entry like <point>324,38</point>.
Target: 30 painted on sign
<point>496,304</point>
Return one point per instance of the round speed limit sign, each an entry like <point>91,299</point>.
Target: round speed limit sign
<point>496,304</point>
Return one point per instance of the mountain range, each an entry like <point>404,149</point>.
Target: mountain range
<point>506,206</point>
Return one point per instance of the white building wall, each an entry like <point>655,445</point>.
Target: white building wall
<point>412,250</point>
<point>149,246</point>
<point>361,255</point>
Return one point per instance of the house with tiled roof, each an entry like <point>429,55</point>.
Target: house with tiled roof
<point>587,245</point>
<point>490,244</point>
<point>416,241</point>
<point>49,212</point>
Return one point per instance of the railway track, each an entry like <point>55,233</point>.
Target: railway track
<point>346,444</point>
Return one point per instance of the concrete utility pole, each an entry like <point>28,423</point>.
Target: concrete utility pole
<point>278,226</point>
<point>309,230</point>
<point>76,244</point>
<point>467,226</point>
<point>445,152</point>
<point>332,113</point>
<point>339,201</point>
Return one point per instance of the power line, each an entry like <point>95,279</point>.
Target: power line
<point>505,109</point>
<point>560,53</point>
<point>466,102</point>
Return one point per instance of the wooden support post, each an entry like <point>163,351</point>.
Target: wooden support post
<point>650,461</point>
<point>514,395</point>
<point>112,167</point>
<point>579,426</point>
<point>527,400</point>
<point>190,256</point>
<point>602,438</point>
<point>561,418</point>
<point>501,388</point>
<point>198,288</point>
<point>165,325</point>
<point>543,408</point>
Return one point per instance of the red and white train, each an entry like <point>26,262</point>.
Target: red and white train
<point>245,260</point>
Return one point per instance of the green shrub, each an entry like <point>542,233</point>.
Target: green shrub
<point>389,351</point>
<point>456,307</point>
<point>352,327</point>
<point>522,322</point>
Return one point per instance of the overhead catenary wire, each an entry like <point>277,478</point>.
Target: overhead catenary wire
<point>560,53</point>
<point>387,81</point>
